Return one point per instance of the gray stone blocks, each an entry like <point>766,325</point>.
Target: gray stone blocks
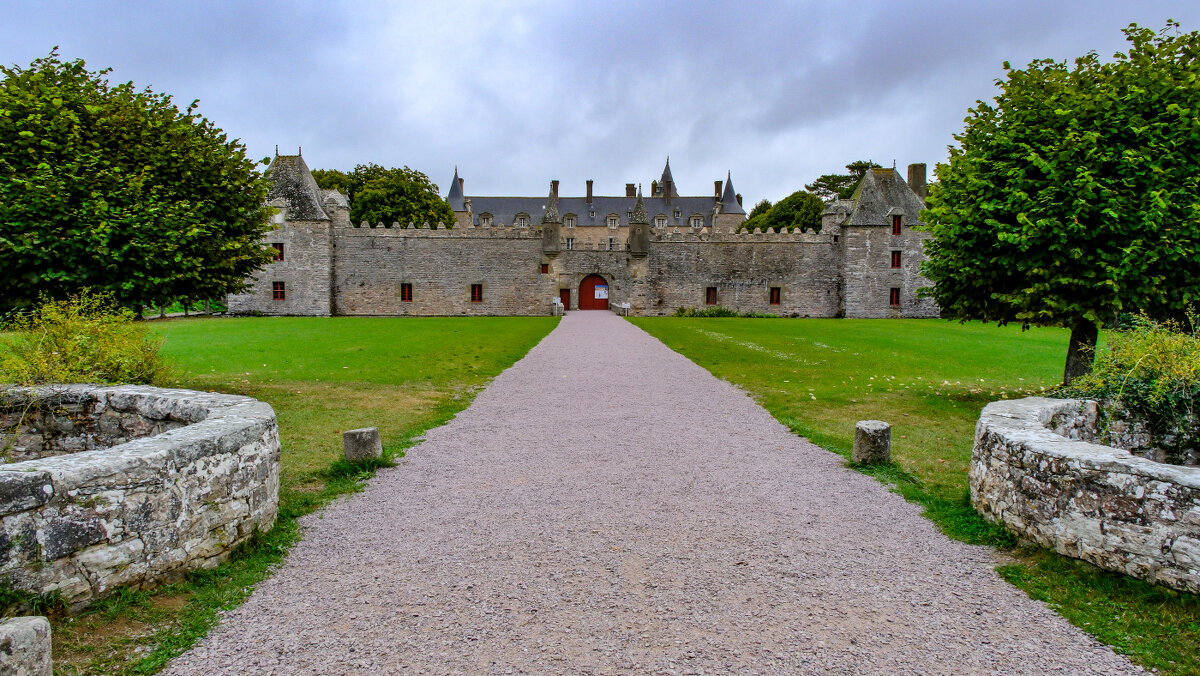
<point>25,646</point>
<point>362,444</point>
<point>872,442</point>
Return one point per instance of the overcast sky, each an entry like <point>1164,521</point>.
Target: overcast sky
<point>518,93</point>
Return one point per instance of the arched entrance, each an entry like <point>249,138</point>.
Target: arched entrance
<point>593,293</point>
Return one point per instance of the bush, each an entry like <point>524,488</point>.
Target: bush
<point>84,339</point>
<point>718,311</point>
<point>1150,370</point>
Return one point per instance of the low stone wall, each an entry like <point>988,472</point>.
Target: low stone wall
<point>141,512</point>
<point>1100,504</point>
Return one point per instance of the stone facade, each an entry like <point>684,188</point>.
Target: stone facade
<point>502,257</point>
<point>140,512</point>
<point>1032,471</point>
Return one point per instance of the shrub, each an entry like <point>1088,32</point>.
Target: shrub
<point>85,339</point>
<point>1152,371</point>
<point>718,311</point>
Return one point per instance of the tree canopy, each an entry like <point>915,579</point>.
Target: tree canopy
<point>116,189</point>
<point>1073,196</point>
<point>829,186</point>
<point>379,195</point>
<point>798,210</point>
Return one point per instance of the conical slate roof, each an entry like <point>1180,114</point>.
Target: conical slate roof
<point>729,203</point>
<point>639,211</point>
<point>551,214</point>
<point>666,176</point>
<point>455,198</point>
<point>293,183</point>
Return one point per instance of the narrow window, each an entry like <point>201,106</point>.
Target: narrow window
<point>569,221</point>
<point>894,297</point>
<point>570,243</point>
<point>896,225</point>
<point>835,239</point>
<point>545,268</point>
<point>710,295</point>
<point>676,213</point>
<point>612,242</point>
<point>277,292</point>
<point>774,295</point>
<point>895,260</point>
<point>406,293</point>
<point>476,293</point>
<point>278,247</point>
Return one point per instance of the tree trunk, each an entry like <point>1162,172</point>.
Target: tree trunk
<point>1081,351</point>
<point>207,308</point>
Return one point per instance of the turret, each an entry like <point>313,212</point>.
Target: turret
<point>551,223</point>
<point>639,229</point>
<point>730,214</point>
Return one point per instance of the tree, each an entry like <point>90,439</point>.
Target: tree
<point>799,210</point>
<point>841,186</point>
<point>115,189</point>
<point>379,195</point>
<point>1073,197</point>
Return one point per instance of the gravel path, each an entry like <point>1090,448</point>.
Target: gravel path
<point>608,506</point>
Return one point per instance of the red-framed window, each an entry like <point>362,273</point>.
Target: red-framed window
<point>775,294</point>
<point>710,295</point>
<point>278,247</point>
<point>406,293</point>
<point>476,293</point>
<point>894,297</point>
<point>896,224</point>
<point>545,268</point>
<point>277,291</point>
<point>895,260</point>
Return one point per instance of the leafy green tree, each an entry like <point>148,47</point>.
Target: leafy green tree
<point>829,186</point>
<point>380,195</point>
<point>116,189</point>
<point>1074,196</point>
<point>799,210</point>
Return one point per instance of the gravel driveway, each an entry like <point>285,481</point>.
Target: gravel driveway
<point>607,506</point>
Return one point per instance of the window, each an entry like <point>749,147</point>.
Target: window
<point>895,260</point>
<point>697,221</point>
<point>775,295</point>
<point>545,268</point>
<point>485,220</point>
<point>476,293</point>
<point>278,247</point>
<point>710,295</point>
<point>277,292</point>
<point>406,293</point>
<point>570,243</point>
<point>522,221</point>
<point>676,213</point>
<point>613,221</point>
<point>894,297</point>
<point>612,243</point>
<point>896,224</point>
<point>660,221</point>
<point>569,221</point>
<point>835,239</point>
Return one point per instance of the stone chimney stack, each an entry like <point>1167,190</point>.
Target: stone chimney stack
<point>739,199</point>
<point>916,179</point>
<point>717,190</point>
<point>554,188</point>
<point>460,184</point>
<point>630,190</point>
<point>589,191</point>
<point>668,188</point>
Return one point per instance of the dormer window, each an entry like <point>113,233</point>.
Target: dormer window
<point>676,214</point>
<point>485,220</point>
<point>614,221</point>
<point>522,221</point>
<point>569,221</point>
<point>697,221</point>
<point>660,221</point>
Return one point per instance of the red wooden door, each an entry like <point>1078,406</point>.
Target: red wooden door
<point>593,293</point>
<point>565,296</point>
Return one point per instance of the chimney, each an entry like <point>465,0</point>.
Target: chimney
<point>739,196</point>
<point>668,188</point>
<point>589,192</point>
<point>554,188</point>
<point>630,190</point>
<point>916,179</point>
<point>717,190</point>
<point>460,185</point>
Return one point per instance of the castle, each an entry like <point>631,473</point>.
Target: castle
<point>643,254</point>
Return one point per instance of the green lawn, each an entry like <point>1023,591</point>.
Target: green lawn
<point>322,376</point>
<point>930,379</point>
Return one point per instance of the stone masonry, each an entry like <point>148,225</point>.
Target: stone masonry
<point>1119,511</point>
<point>140,512</point>
<point>492,262</point>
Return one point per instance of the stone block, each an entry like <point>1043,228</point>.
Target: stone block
<point>25,646</point>
<point>872,442</point>
<point>362,444</point>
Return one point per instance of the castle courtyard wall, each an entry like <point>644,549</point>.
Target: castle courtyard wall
<point>868,274</point>
<point>304,271</point>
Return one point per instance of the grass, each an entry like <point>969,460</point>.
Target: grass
<point>930,379</point>
<point>322,376</point>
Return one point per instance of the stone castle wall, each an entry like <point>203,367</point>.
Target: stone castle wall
<point>304,270</point>
<point>868,274</point>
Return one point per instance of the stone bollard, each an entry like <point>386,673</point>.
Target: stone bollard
<point>872,442</point>
<point>362,444</point>
<point>25,646</point>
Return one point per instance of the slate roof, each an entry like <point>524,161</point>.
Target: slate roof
<point>881,194</point>
<point>504,210</point>
<point>666,176</point>
<point>293,184</point>
<point>729,203</point>
<point>455,198</point>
